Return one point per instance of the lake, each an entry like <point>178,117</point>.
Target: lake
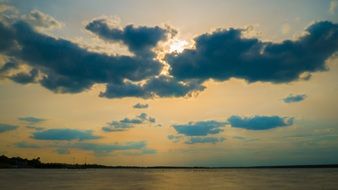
<point>195,179</point>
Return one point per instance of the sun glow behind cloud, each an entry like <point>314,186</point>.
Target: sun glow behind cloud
<point>178,46</point>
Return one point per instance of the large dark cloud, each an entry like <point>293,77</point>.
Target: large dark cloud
<point>224,54</point>
<point>201,128</point>
<point>64,134</point>
<point>66,67</point>
<point>139,40</point>
<point>260,122</point>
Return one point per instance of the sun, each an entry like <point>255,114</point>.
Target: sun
<point>178,46</point>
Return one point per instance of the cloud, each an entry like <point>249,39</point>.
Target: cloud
<point>226,54</point>
<point>31,120</point>
<point>160,86</point>
<point>333,6</point>
<point>107,148</point>
<point>175,138</point>
<point>35,127</point>
<point>41,20</point>
<point>198,140</point>
<point>7,127</point>
<point>63,66</point>
<point>8,66</point>
<point>139,40</point>
<point>25,78</point>
<point>259,122</point>
<point>127,123</point>
<point>200,128</point>
<point>24,144</point>
<point>64,134</point>
<point>140,106</point>
<point>66,67</point>
<point>294,98</point>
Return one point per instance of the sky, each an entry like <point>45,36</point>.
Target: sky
<point>170,83</point>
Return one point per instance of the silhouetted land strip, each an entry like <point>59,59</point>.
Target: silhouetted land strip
<point>17,162</point>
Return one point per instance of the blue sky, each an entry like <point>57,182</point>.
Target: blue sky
<point>205,83</point>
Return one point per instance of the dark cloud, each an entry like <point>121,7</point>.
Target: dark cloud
<point>201,128</point>
<point>63,66</point>
<point>7,37</point>
<point>224,54</point>
<point>31,120</point>
<point>7,127</point>
<point>68,68</point>
<point>25,78</point>
<point>140,106</point>
<point>294,98</point>
<point>210,140</point>
<point>127,123</point>
<point>64,134</point>
<point>160,86</point>
<point>8,66</point>
<point>260,122</point>
<point>139,40</point>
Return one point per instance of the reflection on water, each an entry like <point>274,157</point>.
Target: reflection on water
<point>195,179</point>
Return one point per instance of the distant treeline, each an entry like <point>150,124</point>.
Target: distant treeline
<point>17,162</point>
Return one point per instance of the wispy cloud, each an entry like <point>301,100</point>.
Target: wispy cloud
<point>24,144</point>
<point>333,6</point>
<point>127,123</point>
<point>31,120</point>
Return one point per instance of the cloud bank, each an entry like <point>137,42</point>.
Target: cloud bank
<point>63,66</point>
<point>226,54</point>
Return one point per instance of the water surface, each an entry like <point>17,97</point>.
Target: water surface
<point>162,179</point>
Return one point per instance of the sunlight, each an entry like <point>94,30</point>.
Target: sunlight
<point>178,46</point>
